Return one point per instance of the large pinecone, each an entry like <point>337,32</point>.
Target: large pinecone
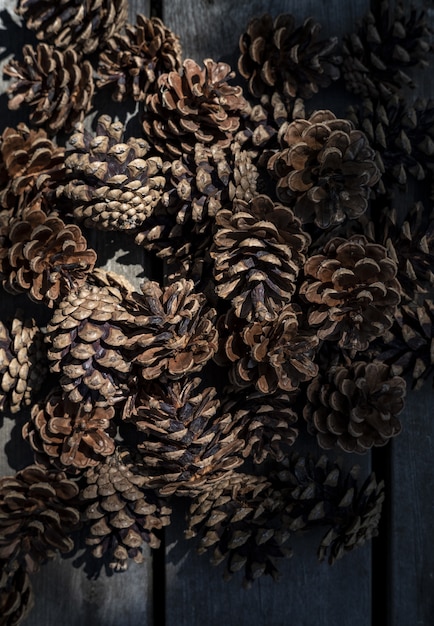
<point>258,251</point>
<point>85,25</point>
<point>132,62</point>
<point>353,290</point>
<point>16,593</point>
<point>325,169</point>
<point>56,84</point>
<point>280,56</point>
<point>121,512</point>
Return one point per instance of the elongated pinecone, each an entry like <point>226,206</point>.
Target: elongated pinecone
<point>121,512</point>
<point>84,25</point>
<point>240,520</point>
<point>131,62</point>
<point>258,251</point>
<point>325,169</point>
<point>353,291</point>
<point>56,84</point>
<point>280,56</point>
<point>46,258</point>
<point>36,515</point>
<point>195,105</point>
<point>16,593</point>
<point>114,184</point>
<point>322,493</point>
<point>386,43</point>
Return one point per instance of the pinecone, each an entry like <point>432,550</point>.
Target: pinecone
<point>258,251</point>
<point>121,512</point>
<point>325,169</point>
<point>278,56</point>
<point>36,515</point>
<point>386,43</point>
<point>23,362</point>
<point>132,62</point>
<point>197,105</point>
<point>56,84</point>
<point>16,593</point>
<point>353,290</point>
<point>84,25</point>
<point>240,519</point>
<point>114,185</point>
<point>46,257</point>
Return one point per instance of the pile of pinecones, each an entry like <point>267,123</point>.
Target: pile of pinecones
<point>294,296</point>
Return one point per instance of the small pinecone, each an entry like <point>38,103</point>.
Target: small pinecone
<point>121,512</point>
<point>46,257</point>
<point>132,62</point>
<point>23,362</point>
<point>240,520</point>
<point>114,185</point>
<point>16,593</point>
<point>56,84</point>
<point>84,25</point>
<point>36,515</point>
<point>322,493</point>
<point>354,292</point>
<point>197,105</point>
<point>387,42</point>
<point>258,251</point>
<point>355,406</point>
<point>67,436</point>
<point>325,169</point>
<point>188,443</point>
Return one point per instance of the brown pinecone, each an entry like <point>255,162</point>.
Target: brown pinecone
<point>36,515</point>
<point>258,251</point>
<point>353,290</point>
<point>240,519</point>
<point>188,444</point>
<point>84,25</point>
<point>132,62</point>
<point>67,436</point>
<point>195,105</point>
<point>114,184</point>
<point>121,512</point>
<point>325,169</point>
<point>388,41</point>
<point>23,362</point>
<point>56,84</point>
<point>16,593</point>
<point>46,257</point>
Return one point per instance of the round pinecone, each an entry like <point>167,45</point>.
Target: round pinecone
<point>353,290</point>
<point>56,84</point>
<point>16,593</point>
<point>85,25</point>
<point>258,251</point>
<point>132,62</point>
<point>278,56</point>
<point>325,169</point>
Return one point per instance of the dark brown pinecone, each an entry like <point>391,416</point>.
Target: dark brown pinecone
<point>36,515</point>
<point>259,248</point>
<point>195,105</point>
<point>355,406</point>
<point>67,436</point>
<point>325,169</point>
<point>240,520</point>
<point>269,355</point>
<point>353,290</point>
<point>390,39</point>
<point>56,84</point>
<point>188,443</point>
<point>46,258</point>
<point>322,493</point>
<point>23,362</point>
<point>16,593</point>
<point>121,512</point>
<point>280,56</point>
<point>131,62</point>
<point>114,184</point>
<point>84,25</point>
